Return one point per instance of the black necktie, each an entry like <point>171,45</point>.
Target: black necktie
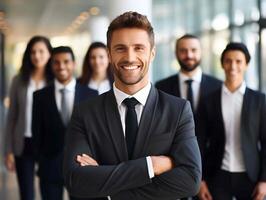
<point>64,108</point>
<point>131,124</point>
<point>190,93</point>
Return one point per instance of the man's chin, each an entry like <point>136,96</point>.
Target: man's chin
<point>189,68</point>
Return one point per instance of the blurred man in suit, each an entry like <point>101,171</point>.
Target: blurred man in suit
<point>133,142</point>
<point>190,83</point>
<point>52,108</point>
<point>232,124</point>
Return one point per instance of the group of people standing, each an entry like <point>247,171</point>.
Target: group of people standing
<point>229,121</point>
<point>135,141</point>
<point>42,97</point>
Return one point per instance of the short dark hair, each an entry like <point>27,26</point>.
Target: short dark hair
<point>63,49</point>
<point>236,46</point>
<point>186,36</point>
<point>130,20</point>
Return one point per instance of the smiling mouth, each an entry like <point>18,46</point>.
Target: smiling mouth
<point>131,67</point>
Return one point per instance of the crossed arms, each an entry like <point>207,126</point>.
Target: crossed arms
<point>176,176</point>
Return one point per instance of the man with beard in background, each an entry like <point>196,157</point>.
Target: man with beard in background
<point>190,83</point>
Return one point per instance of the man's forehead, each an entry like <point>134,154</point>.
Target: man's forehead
<point>129,35</point>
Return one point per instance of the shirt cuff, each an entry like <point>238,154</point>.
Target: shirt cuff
<point>109,198</point>
<point>150,167</point>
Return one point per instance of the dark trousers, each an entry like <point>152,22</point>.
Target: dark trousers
<point>25,171</point>
<point>226,185</point>
<point>51,191</point>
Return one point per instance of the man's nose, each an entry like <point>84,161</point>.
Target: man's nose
<point>131,55</point>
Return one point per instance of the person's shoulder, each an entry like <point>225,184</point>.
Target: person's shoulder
<point>170,99</point>
<point>44,91</point>
<point>166,81</point>
<point>95,103</point>
<point>86,89</point>
<point>255,93</point>
<point>212,79</point>
<point>18,80</point>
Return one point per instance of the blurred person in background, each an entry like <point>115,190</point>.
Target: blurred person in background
<point>34,74</point>
<point>52,109</point>
<point>232,130</point>
<point>96,70</point>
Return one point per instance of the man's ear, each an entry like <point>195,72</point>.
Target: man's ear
<point>153,52</point>
<point>109,54</point>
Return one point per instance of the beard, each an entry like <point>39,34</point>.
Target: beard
<point>188,68</point>
<point>125,78</point>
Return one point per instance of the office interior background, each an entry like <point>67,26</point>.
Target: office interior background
<point>77,23</point>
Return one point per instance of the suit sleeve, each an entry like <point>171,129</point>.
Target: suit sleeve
<point>184,179</point>
<point>100,181</point>
<point>263,141</point>
<point>11,116</point>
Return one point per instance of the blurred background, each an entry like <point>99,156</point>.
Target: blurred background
<point>77,23</point>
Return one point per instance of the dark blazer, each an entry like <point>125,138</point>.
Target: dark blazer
<point>208,84</point>
<point>253,134</point>
<point>166,128</point>
<point>49,129</point>
<point>171,86</point>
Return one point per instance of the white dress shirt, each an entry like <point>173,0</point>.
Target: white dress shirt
<point>231,110</point>
<point>101,87</point>
<point>32,87</point>
<point>70,94</point>
<point>141,96</point>
<point>195,85</point>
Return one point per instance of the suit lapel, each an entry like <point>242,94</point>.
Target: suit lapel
<point>23,96</point>
<point>245,112</point>
<point>53,106</point>
<point>176,87</point>
<point>77,97</point>
<point>203,86</point>
<point>115,126</point>
<point>218,106</point>
<point>145,124</point>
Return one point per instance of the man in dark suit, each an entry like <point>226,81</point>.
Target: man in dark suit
<point>133,142</point>
<point>52,109</point>
<point>232,124</point>
<point>190,83</point>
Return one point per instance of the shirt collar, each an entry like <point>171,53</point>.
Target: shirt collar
<point>240,90</point>
<point>141,95</point>
<point>196,77</point>
<point>69,87</point>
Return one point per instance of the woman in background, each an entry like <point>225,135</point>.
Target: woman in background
<point>96,70</point>
<point>34,74</point>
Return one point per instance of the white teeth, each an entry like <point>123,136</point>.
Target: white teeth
<point>130,67</point>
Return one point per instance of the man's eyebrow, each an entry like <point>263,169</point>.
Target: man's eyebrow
<point>118,45</point>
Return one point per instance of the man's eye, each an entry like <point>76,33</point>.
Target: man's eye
<point>139,48</point>
<point>119,49</point>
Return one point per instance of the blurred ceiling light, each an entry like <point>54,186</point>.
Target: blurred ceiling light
<point>219,44</point>
<point>239,18</point>
<point>78,21</point>
<point>84,15</point>
<point>255,14</point>
<point>94,11</point>
<point>220,22</point>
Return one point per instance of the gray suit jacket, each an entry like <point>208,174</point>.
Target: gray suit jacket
<point>166,128</point>
<point>16,117</point>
